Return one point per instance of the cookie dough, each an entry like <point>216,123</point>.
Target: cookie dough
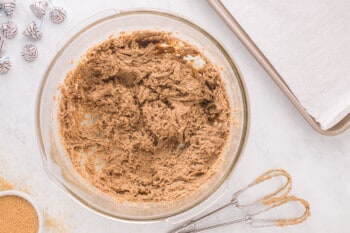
<point>144,117</point>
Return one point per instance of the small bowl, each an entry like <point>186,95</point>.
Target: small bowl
<point>95,30</point>
<point>31,201</point>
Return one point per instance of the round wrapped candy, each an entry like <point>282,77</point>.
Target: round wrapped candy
<point>39,8</point>
<point>9,29</point>
<point>57,14</point>
<point>33,32</point>
<point>5,65</point>
<point>29,52</point>
<point>9,7</point>
<point>2,44</point>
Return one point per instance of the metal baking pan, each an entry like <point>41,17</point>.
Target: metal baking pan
<point>232,23</point>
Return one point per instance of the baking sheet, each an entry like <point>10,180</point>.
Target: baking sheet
<point>317,84</point>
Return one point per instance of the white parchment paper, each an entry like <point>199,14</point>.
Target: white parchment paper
<point>308,42</point>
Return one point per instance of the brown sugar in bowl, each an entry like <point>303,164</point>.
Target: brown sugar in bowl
<point>19,213</point>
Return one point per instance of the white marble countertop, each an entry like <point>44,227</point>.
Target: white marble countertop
<point>279,136</point>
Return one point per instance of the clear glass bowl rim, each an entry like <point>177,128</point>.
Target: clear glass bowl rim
<point>176,17</point>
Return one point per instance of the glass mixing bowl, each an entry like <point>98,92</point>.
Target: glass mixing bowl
<point>93,31</point>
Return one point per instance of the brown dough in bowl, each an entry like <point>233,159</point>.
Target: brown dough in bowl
<point>144,117</point>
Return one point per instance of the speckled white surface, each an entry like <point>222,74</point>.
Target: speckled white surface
<point>279,136</point>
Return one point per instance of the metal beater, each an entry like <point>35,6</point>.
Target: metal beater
<point>274,199</point>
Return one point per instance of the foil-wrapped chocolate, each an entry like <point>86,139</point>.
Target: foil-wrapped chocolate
<point>57,14</point>
<point>2,44</point>
<point>9,7</point>
<point>29,52</point>
<point>5,65</point>
<point>9,29</point>
<point>33,32</point>
<point>39,8</point>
